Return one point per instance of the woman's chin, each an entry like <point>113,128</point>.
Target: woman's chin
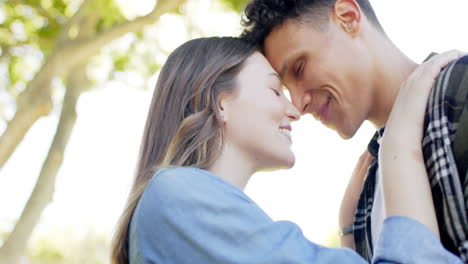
<point>291,163</point>
<point>288,162</point>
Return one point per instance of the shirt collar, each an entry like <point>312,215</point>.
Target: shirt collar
<point>430,56</point>
<point>374,144</point>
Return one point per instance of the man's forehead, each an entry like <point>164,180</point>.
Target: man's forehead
<point>280,46</point>
<point>280,59</point>
<point>274,51</point>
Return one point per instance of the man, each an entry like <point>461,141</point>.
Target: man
<point>338,65</point>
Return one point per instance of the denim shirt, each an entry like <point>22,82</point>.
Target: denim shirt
<point>189,215</point>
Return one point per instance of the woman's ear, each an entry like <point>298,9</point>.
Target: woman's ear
<point>224,106</point>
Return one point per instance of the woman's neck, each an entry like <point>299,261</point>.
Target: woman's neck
<point>233,166</point>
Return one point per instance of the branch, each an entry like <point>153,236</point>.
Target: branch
<point>32,103</point>
<point>35,101</point>
<point>43,192</point>
<point>5,52</point>
<point>92,45</point>
<point>19,126</point>
<point>75,19</point>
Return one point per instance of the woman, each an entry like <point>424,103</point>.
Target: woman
<point>219,115</point>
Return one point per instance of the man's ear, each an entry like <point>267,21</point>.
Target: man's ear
<point>348,14</point>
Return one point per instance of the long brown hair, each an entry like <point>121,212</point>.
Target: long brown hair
<point>183,127</point>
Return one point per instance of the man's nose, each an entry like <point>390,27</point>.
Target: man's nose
<point>301,101</point>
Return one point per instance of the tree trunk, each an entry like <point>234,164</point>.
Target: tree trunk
<point>16,244</point>
<point>33,103</point>
<point>73,54</point>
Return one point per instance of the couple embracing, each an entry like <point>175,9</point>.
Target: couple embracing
<point>219,114</point>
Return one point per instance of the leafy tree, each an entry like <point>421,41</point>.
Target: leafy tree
<point>65,35</point>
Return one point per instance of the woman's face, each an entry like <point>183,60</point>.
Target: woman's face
<point>258,116</point>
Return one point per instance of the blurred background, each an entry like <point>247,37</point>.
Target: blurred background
<point>76,78</point>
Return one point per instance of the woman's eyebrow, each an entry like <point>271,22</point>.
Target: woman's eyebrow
<point>277,76</point>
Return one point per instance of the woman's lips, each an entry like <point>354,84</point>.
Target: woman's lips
<point>286,131</point>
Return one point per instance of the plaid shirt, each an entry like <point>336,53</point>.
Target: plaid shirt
<point>448,179</point>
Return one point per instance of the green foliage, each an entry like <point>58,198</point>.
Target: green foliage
<point>112,15</point>
<point>43,20</point>
<point>35,2</point>
<point>14,70</point>
<point>66,248</point>
<point>49,31</point>
<point>40,23</point>
<point>46,252</point>
<point>31,24</point>
<point>236,5</point>
<point>10,15</point>
<point>121,62</point>
<point>154,67</point>
<point>60,6</point>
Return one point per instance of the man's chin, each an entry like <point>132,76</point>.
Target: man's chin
<point>346,134</point>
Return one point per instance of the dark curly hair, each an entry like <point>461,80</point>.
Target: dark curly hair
<point>262,16</point>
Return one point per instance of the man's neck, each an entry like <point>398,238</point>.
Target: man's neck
<point>392,69</point>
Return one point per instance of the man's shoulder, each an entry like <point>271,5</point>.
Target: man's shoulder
<point>456,68</point>
<point>447,100</point>
<point>463,60</point>
<point>453,81</point>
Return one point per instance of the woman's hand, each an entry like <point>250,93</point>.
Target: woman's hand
<point>351,197</point>
<point>407,114</point>
<point>406,186</point>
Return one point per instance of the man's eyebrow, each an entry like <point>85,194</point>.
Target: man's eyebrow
<point>284,69</point>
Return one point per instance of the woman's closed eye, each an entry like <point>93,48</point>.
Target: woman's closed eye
<point>277,93</point>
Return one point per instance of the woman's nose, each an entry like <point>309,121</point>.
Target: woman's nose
<point>292,112</point>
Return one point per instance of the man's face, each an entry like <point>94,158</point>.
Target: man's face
<point>328,73</point>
